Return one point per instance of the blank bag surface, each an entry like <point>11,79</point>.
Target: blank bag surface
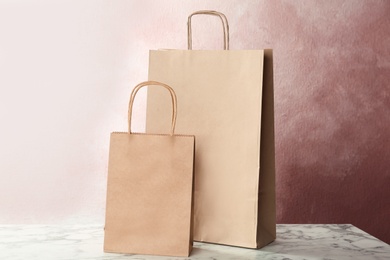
<point>226,100</point>
<point>149,193</point>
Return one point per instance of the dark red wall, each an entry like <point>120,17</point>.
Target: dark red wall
<point>332,111</point>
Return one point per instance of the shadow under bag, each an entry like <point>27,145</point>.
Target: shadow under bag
<point>226,101</point>
<point>149,190</point>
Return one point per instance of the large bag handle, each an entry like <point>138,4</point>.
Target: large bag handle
<point>156,83</point>
<point>225,26</point>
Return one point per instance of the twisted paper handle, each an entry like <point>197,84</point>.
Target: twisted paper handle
<point>156,83</point>
<point>224,24</point>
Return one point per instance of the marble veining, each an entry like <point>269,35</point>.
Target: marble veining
<point>293,241</point>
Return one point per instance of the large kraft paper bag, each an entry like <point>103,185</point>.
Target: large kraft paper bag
<point>149,190</point>
<point>226,100</point>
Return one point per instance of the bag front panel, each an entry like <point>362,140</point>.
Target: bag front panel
<point>149,194</point>
<point>220,94</point>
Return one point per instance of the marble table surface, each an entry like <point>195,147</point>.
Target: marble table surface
<point>293,242</point>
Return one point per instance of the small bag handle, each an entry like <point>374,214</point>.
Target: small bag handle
<point>225,26</point>
<point>173,96</point>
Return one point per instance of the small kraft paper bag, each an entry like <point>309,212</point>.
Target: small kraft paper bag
<point>226,101</point>
<point>149,190</point>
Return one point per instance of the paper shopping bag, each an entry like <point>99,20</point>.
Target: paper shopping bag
<point>226,100</point>
<point>149,190</point>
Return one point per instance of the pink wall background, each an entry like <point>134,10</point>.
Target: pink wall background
<point>67,69</point>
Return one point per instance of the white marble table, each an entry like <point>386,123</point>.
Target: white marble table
<point>293,242</point>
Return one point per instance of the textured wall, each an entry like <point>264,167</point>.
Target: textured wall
<point>332,112</point>
<point>67,68</point>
